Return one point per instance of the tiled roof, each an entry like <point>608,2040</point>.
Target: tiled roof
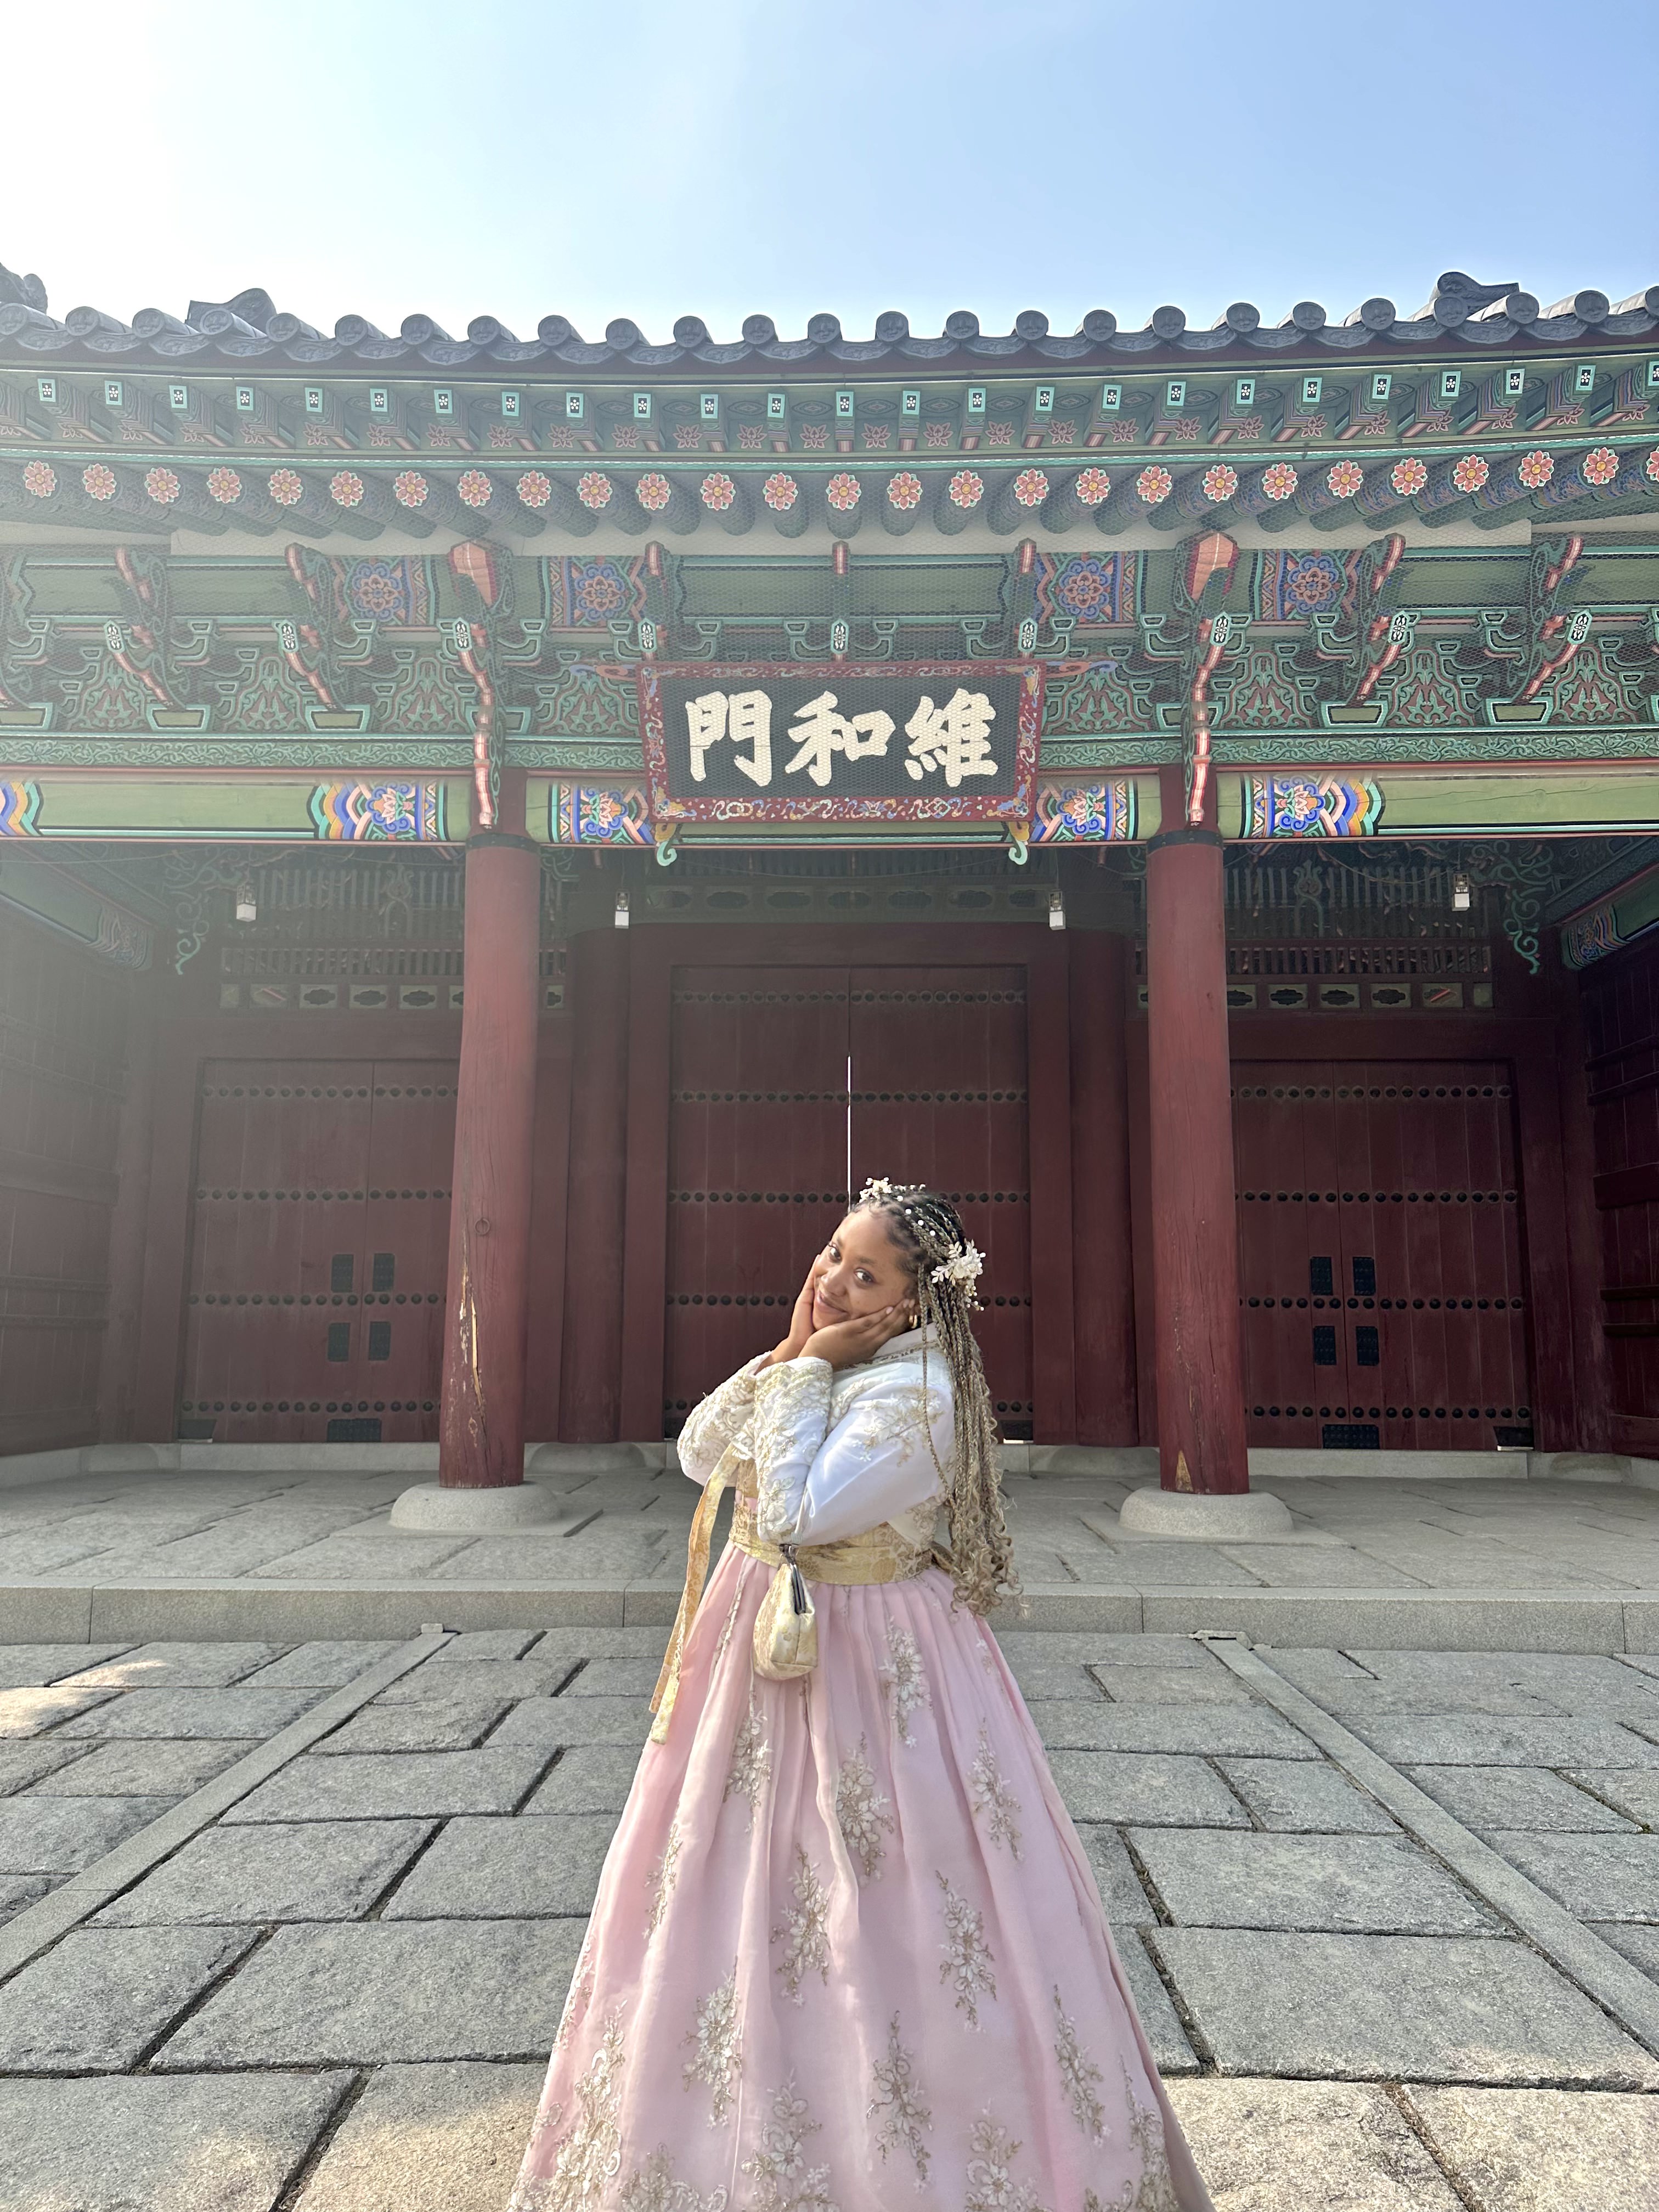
<point>250,327</point>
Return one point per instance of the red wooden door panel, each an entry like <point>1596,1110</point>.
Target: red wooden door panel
<point>939,1071</point>
<point>1380,1253</point>
<point>759,1133</point>
<point>305,1172</point>
<point>411,1142</point>
<point>757,1161</point>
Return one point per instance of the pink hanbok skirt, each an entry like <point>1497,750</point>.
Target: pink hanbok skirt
<point>847,1952</point>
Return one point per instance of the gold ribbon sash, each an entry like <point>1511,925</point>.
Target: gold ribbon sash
<point>878,1555</point>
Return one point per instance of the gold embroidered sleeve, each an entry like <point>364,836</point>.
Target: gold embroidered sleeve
<point>792,1412</point>
<point>717,1424</point>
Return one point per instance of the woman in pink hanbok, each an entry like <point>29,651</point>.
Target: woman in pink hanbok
<point>846,1952</point>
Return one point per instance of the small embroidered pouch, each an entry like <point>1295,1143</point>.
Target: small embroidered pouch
<point>786,1625</point>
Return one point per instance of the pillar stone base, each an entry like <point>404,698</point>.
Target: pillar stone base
<point>437,1511</point>
<point>1241,1516</point>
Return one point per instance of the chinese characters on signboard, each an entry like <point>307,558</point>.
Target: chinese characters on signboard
<point>920,743</point>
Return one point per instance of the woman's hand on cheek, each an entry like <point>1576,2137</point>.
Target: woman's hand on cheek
<point>801,1321</point>
<point>849,1343</point>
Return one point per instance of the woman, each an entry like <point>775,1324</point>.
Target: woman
<point>846,1952</point>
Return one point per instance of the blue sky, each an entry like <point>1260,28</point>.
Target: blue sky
<point>718,157</point>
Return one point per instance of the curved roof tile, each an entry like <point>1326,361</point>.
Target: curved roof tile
<point>250,327</point>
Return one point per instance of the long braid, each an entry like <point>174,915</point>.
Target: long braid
<point>927,1230</point>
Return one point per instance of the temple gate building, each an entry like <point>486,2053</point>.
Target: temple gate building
<point>498,835</point>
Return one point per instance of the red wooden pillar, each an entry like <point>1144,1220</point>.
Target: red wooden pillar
<point>481,1420</point>
<point>1201,1386</point>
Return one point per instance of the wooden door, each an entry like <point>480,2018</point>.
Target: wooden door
<point>939,1096</point>
<point>757,1160</point>
<point>788,1087</point>
<point>320,1229</point>
<point>1380,1254</point>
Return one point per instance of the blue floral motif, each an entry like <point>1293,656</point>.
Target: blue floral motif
<point>1085,588</point>
<point>1307,584</point>
<point>389,590</point>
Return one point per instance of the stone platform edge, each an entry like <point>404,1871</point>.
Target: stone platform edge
<point>1599,1623</point>
<point>1134,1463</point>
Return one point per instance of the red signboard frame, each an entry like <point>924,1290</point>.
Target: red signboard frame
<point>950,806</point>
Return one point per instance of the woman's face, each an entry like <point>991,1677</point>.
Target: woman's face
<point>860,1271</point>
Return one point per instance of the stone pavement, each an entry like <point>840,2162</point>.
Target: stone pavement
<point>1566,1558</point>
<point>288,1930</point>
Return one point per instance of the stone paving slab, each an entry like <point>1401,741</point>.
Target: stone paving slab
<point>1393,2008</point>
<point>320,1665</point>
<point>185,1713</point>
<point>1266,2146</point>
<point>1172,2052</point>
<point>508,1870</point>
<point>141,1769</point>
<point>1145,1788</point>
<point>1545,2150</point>
<point>431,1785</point>
<point>179,1667</point>
<point>1291,1566</point>
<point>1468,1740</point>
<point>435,1724</point>
<point>1633,1942</point>
<point>606,1550</point>
<point>1037,1681</point>
<point>551,1723</point>
<point>1595,1877</point>
<point>1084,1648</point>
<point>375,1554</point>
<point>1153,1565</point>
<point>372,1992</point>
<point>428,2139</point>
<point>1169,1686</point>
<point>489,1644</point>
<point>19,1890</point>
<point>561,1647</point>
<point>590,1777</point>
<point>1296,1796</point>
<point>1122,1891</point>
<point>210,2144</point>
<point>481,1678</point>
<point>26,1766</point>
<point>634,1679</point>
<point>311,1870</point>
<point>28,1712</point>
<point>1219,1731</point>
<point>1343,1884</point>
<point>1632,1790</point>
<point>1486,1797</point>
<point>97,2002</point>
<point>1361,1699</point>
<point>32,1666</point>
<point>61,1835</point>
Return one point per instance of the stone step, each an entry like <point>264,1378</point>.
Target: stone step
<point>1383,1620</point>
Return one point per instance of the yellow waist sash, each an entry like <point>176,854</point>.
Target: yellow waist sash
<point>880,1555</point>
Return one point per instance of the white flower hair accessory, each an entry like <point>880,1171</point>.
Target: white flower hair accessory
<point>963,1269</point>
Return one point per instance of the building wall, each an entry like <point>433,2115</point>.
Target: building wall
<point>1619,1001</point>
<point>64,1038</point>
<point>607,1236</point>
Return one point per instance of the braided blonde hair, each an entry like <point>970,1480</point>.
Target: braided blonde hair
<point>928,1231</point>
